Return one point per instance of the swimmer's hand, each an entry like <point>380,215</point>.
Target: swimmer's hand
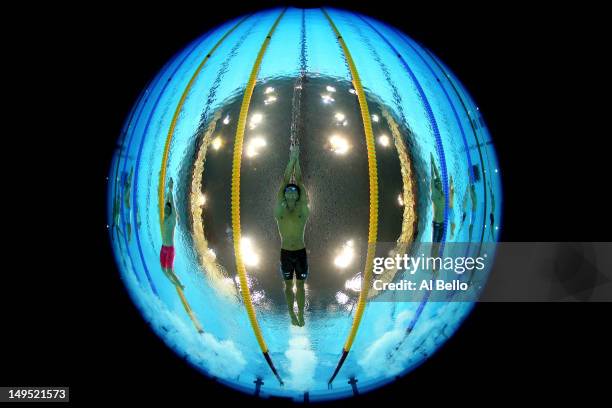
<point>170,184</point>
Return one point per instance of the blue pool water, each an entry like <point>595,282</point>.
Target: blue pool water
<point>408,91</point>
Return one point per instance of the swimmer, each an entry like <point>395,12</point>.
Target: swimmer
<point>437,200</point>
<point>166,256</point>
<point>291,213</point>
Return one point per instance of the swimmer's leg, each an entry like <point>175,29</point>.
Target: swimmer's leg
<point>168,275</point>
<point>301,300</point>
<point>177,280</point>
<point>172,277</point>
<point>290,296</point>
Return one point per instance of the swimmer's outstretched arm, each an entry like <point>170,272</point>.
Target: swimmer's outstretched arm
<point>298,179</point>
<point>170,198</point>
<point>287,175</point>
<point>434,170</point>
<point>297,171</point>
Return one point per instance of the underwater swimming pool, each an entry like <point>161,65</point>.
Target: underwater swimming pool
<point>185,125</point>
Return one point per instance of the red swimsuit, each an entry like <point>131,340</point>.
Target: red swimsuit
<point>166,257</point>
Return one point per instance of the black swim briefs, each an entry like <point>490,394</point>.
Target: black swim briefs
<point>294,261</point>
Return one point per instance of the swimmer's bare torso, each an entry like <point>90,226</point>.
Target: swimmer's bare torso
<point>291,210</point>
<point>168,230</point>
<point>291,223</point>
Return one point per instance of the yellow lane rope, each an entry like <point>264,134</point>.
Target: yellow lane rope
<point>237,160</point>
<point>373,178</point>
<point>177,112</point>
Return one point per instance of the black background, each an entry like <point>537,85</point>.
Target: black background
<point>538,75</point>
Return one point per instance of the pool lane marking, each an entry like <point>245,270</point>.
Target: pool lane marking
<point>373,183</point>
<point>177,111</point>
<point>236,162</point>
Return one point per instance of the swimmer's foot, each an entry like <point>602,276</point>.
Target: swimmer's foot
<point>301,318</point>
<point>294,320</point>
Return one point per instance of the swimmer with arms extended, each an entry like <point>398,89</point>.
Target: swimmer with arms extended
<point>291,213</point>
<point>166,256</point>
